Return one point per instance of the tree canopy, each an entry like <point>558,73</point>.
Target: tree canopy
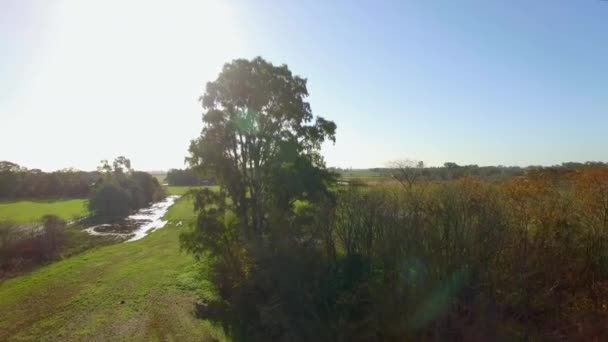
<point>122,190</point>
<point>17,182</point>
<point>258,128</point>
<point>187,177</point>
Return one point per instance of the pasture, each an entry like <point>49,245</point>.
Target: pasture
<point>360,173</point>
<point>181,190</point>
<point>31,211</point>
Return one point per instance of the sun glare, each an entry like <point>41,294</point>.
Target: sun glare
<point>133,61</point>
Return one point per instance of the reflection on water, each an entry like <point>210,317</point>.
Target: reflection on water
<point>136,226</point>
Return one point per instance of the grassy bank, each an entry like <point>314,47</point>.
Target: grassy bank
<point>28,211</point>
<point>141,290</point>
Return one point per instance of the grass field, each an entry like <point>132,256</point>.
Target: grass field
<point>27,211</point>
<point>136,291</point>
<point>180,190</point>
<point>360,173</point>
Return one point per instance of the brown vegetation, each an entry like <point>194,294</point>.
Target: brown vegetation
<point>25,246</point>
<point>467,260</point>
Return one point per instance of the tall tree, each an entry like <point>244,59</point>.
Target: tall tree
<point>258,128</point>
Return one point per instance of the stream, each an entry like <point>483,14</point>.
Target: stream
<point>138,225</point>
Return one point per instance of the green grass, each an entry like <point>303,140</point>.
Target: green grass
<point>361,173</point>
<point>136,291</point>
<point>27,211</point>
<point>183,210</point>
<point>180,190</point>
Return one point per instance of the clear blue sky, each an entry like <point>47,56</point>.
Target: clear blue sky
<point>484,82</point>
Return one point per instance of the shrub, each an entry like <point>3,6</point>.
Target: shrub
<point>23,247</point>
<point>109,201</point>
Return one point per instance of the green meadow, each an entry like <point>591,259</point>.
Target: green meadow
<point>135,291</point>
<point>178,190</point>
<point>181,190</point>
<point>30,211</point>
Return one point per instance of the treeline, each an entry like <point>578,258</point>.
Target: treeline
<point>187,177</point>
<point>17,182</point>
<point>451,171</point>
<point>121,190</point>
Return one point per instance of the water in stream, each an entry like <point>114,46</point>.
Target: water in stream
<point>136,226</point>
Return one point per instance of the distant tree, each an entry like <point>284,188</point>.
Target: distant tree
<point>104,167</point>
<point>110,201</point>
<point>6,166</point>
<point>596,164</point>
<point>143,188</point>
<point>9,179</point>
<point>122,164</point>
<point>572,165</point>
<point>186,177</point>
<point>406,171</point>
<point>122,190</point>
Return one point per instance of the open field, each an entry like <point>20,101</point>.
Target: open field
<point>361,173</point>
<point>137,291</point>
<point>180,190</point>
<point>28,211</point>
<point>364,176</point>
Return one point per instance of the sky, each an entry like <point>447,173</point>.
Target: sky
<point>473,82</point>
